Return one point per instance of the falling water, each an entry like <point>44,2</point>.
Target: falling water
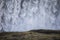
<point>25,15</point>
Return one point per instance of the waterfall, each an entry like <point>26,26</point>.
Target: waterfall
<point>25,15</point>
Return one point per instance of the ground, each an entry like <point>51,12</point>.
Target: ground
<point>31,35</point>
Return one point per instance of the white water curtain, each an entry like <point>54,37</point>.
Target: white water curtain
<point>25,15</point>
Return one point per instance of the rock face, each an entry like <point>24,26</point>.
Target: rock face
<point>24,15</point>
